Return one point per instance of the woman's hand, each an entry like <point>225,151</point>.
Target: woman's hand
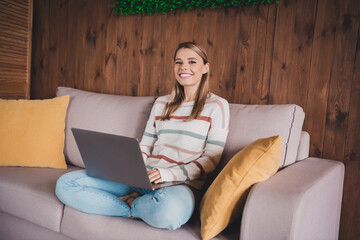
<point>154,176</point>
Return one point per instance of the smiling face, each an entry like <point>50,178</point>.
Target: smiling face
<point>189,69</point>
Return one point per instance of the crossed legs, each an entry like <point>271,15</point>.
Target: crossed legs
<point>169,207</point>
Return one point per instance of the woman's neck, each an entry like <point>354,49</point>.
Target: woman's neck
<point>190,95</point>
<point>189,100</point>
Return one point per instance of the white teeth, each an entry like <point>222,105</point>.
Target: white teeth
<point>185,75</point>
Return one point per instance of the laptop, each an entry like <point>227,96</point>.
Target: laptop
<point>115,158</point>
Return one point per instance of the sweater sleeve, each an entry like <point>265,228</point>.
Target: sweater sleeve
<point>214,147</point>
<point>149,138</point>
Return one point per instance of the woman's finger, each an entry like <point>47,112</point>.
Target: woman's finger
<point>153,176</point>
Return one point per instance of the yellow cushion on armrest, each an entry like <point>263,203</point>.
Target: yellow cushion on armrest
<point>223,200</point>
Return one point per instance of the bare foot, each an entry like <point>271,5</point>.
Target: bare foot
<point>129,199</point>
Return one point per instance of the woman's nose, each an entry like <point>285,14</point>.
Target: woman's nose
<point>184,66</point>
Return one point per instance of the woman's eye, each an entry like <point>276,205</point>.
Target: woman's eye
<point>192,62</point>
<point>178,62</point>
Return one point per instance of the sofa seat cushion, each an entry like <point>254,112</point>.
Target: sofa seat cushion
<point>115,114</point>
<point>29,193</point>
<point>79,225</point>
<point>10,225</point>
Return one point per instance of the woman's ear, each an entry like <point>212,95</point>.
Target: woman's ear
<point>206,68</point>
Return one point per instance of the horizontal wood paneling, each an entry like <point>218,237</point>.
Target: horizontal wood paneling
<point>15,48</point>
<point>304,52</point>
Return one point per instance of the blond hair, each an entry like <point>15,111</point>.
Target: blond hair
<point>177,95</point>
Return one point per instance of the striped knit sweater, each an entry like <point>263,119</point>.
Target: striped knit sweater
<point>184,151</point>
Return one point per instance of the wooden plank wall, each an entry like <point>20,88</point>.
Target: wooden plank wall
<point>300,51</point>
<point>15,48</point>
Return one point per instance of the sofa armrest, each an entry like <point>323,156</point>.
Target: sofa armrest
<point>302,201</point>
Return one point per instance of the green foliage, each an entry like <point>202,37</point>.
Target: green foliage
<point>148,7</point>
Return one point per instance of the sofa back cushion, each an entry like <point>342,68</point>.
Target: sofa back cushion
<point>121,115</point>
<point>251,122</point>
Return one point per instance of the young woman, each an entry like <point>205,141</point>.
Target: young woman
<point>183,141</point>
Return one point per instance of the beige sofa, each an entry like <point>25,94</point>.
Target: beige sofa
<point>301,201</point>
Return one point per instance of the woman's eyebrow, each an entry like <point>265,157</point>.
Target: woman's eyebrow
<point>190,58</point>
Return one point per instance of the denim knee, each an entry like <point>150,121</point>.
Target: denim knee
<point>70,177</point>
<point>67,183</point>
<point>167,208</point>
<point>86,198</point>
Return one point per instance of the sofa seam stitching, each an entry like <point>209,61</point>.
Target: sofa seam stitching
<point>288,138</point>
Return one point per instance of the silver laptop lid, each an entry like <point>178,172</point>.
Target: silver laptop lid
<point>112,157</point>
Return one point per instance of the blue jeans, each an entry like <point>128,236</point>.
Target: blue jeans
<point>168,207</point>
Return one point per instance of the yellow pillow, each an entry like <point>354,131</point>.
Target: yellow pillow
<point>32,132</point>
<point>224,199</point>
